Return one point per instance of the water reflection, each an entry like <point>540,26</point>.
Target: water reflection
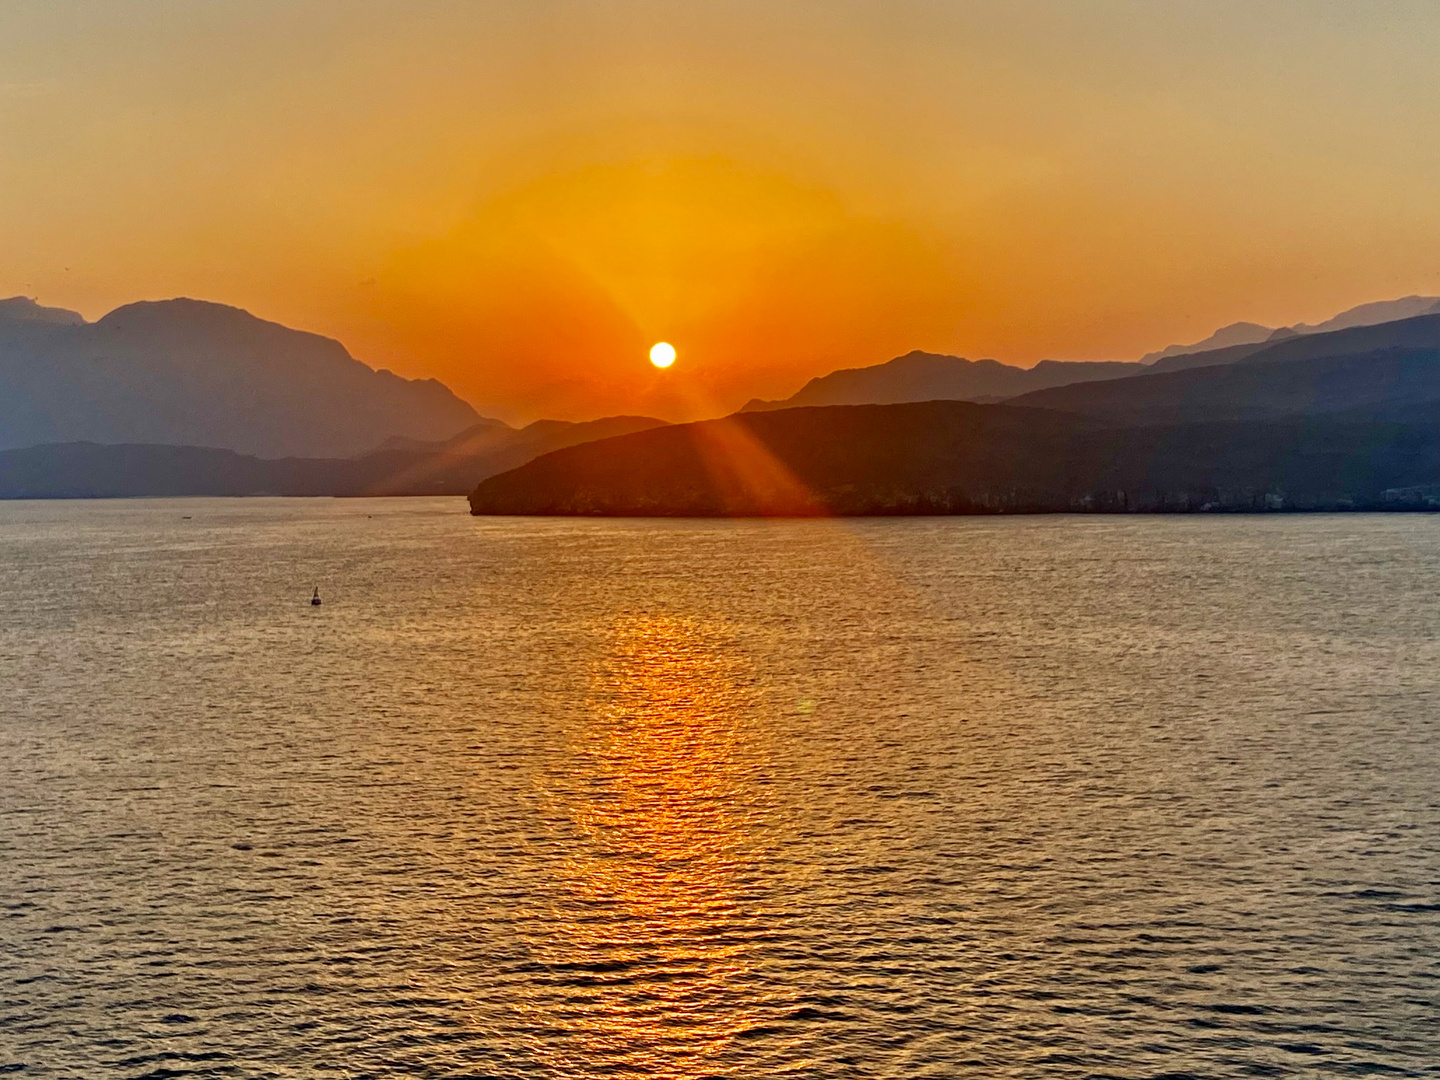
<point>657,903</point>
<point>1009,818</point>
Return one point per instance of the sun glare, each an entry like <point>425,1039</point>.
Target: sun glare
<point>662,354</point>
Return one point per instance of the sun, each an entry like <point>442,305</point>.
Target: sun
<point>662,354</point>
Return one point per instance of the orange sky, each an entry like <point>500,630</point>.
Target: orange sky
<point>519,198</point>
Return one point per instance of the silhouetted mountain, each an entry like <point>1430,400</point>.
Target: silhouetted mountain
<point>1381,311</point>
<point>1240,333</point>
<point>922,376</point>
<point>958,457</point>
<point>1280,381</point>
<point>23,309</point>
<point>190,372</point>
<point>403,467</point>
<point>1243,342</point>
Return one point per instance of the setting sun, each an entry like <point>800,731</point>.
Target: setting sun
<point>662,354</point>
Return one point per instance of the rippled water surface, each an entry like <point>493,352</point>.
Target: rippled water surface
<point>1045,797</point>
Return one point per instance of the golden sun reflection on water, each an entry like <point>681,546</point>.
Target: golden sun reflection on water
<point>656,904</point>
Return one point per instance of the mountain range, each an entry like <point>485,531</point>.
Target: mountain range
<point>185,397</point>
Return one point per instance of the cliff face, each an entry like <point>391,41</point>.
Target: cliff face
<point>188,372</point>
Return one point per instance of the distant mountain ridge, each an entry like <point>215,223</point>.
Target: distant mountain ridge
<point>1246,333</point>
<point>1422,331</point>
<point>190,372</point>
<point>24,309</point>
<point>1240,333</point>
<point>922,376</point>
<point>399,467</point>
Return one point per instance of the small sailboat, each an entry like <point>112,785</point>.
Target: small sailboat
<point>315,599</point>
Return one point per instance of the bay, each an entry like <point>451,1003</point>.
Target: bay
<point>1004,797</point>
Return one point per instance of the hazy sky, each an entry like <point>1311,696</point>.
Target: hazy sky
<point>520,197</point>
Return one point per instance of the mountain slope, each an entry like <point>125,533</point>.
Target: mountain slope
<point>922,376</point>
<point>957,457</point>
<point>190,372</point>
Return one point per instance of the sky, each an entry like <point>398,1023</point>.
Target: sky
<point>520,198</point>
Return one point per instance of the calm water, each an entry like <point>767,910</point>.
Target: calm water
<point>1048,797</point>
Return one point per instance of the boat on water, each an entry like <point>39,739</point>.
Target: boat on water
<point>315,597</point>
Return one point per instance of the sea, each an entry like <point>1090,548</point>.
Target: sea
<point>1029,797</point>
